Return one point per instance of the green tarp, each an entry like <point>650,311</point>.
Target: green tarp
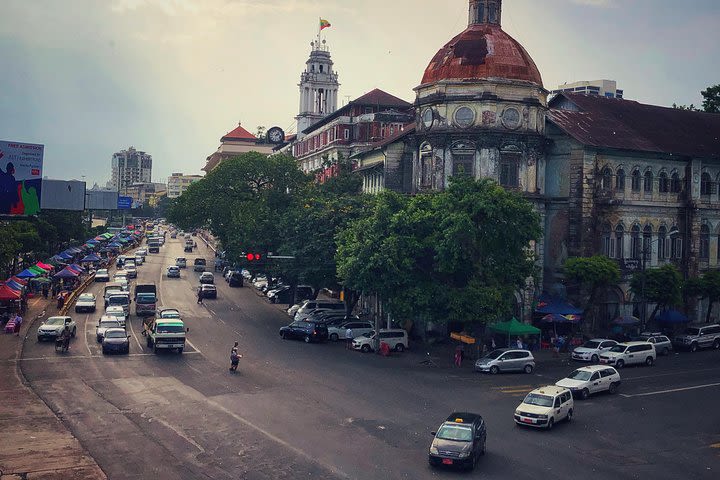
<point>513,327</point>
<point>37,270</point>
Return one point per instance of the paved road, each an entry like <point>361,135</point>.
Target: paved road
<point>318,411</point>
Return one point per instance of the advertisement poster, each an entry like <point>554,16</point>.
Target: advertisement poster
<point>20,177</point>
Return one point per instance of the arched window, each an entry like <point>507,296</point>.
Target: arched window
<point>635,242</point>
<point>676,243</point>
<point>510,167</point>
<point>619,241</point>
<point>620,180</point>
<point>647,242</point>
<point>426,166</point>
<point>704,242</point>
<point>663,183</point>
<point>662,245</point>
<point>636,180</point>
<point>606,179</point>
<point>648,184</point>
<point>675,184</point>
<point>608,246</point>
<point>705,184</point>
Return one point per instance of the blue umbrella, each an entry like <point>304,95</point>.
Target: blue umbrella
<point>672,316</point>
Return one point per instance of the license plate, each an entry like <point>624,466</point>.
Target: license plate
<point>527,420</point>
<point>447,461</point>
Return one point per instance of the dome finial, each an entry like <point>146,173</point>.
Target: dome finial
<point>485,12</point>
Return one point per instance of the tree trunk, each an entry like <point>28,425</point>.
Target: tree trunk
<point>709,311</point>
<point>655,310</point>
<point>588,306</point>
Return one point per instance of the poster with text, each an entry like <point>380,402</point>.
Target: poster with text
<point>20,177</point>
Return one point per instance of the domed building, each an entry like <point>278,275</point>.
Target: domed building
<point>481,109</point>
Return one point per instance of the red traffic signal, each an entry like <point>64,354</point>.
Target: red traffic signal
<point>253,257</point>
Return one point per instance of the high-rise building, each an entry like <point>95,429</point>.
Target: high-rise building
<point>318,87</point>
<point>601,88</point>
<point>129,167</point>
<point>177,183</point>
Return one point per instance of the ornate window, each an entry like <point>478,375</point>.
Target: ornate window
<point>492,13</point>
<point>619,241</point>
<point>606,179</point>
<point>663,183</point>
<point>481,12</point>
<point>426,165</point>
<point>635,242</point>
<point>620,180</point>
<point>647,242</point>
<point>608,246</point>
<point>510,168</point>
<point>464,117</point>
<point>636,180</point>
<point>676,243</point>
<point>675,184</point>
<point>704,242</point>
<point>662,245</point>
<point>463,163</point>
<point>705,184</point>
<point>648,183</point>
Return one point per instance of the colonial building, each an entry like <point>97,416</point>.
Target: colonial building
<point>318,87</point>
<point>234,143</point>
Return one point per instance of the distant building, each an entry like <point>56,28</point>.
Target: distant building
<point>141,192</point>
<point>129,167</point>
<point>234,143</point>
<point>602,88</point>
<point>318,88</point>
<point>177,183</point>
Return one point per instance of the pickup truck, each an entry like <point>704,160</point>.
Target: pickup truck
<point>167,334</point>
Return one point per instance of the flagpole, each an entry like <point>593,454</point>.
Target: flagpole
<point>319,29</point>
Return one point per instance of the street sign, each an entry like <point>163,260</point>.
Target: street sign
<point>124,203</point>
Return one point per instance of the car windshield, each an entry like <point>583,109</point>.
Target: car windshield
<point>539,400</point>
<point>580,375</point>
<point>146,298</point>
<point>199,261</point>
<point>118,300</point>
<point>692,331</point>
<point>109,323</point>
<point>618,348</point>
<point>116,334</point>
<point>101,272</point>
<point>494,354</point>
<point>591,344</point>
<point>170,329</point>
<point>55,321</point>
<point>86,297</point>
<point>173,314</point>
<point>455,432</point>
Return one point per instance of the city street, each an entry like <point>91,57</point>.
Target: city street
<point>296,410</point>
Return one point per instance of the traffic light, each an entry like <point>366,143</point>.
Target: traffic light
<point>253,257</point>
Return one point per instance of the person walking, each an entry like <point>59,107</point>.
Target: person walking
<point>200,296</point>
<point>348,338</point>
<point>18,322</point>
<point>458,356</point>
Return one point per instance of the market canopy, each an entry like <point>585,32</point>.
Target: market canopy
<point>549,304</point>
<point>64,256</point>
<point>66,273</point>
<point>37,270</point>
<point>672,316</point>
<point>514,327</point>
<point>90,258</point>
<point>14,285</point>
<point>26,274</point>
<point>18,280</point>
<point>77,267</point>
<point>7,293</point>
<point>626,320</point>
<point>44,266</point>
<point>557,318</point>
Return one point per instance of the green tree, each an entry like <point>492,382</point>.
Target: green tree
<point>592,274</point>
<point>711,289</point>
<point>691,107</point>
<point>662,286</point>
<point>711,99</point>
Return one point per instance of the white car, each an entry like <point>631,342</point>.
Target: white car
<point>590,351</point>
<point>141,252</point>
<point>630,353</point>
<point>139,260</point>
<point>544,407</point>
<point>337,332</point>
<point>293,310</point>
<point>85,303</point>
<point>586,381</point>
<point>118,312</point>
<point>173,271</point>
<point>181,262</point>
<point>169,313</point>
<point>131,270</point>
<point>51,328</point>
<point>102,275</point>
<point>105,322</point>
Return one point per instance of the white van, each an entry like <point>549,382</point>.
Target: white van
<point>544,407</point>
<point>630,353</point>
<point>397,338</point>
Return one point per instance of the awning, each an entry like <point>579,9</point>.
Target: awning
<point>44,266</point>
<point>18,280</point>
<point>76,267</point>
<point>626,320</point>
<point>7,293</point>
<point>548,304</point>
<point>66,273</point>
<point>514,327</point>
<point>90,258</point>
<point>38,270</point>
<point>14,285</point>
<point>672,316</point>
<point>557,318</point>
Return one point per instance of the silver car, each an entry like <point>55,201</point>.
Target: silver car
<point>506,360</point>
<point>663,345</point>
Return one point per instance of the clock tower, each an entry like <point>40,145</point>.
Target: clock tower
<point>318,87</point>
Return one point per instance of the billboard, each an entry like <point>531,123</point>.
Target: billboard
<point>124,203</point>
<point>20,177</point>
<point>101,199</point>
<point>63,195</point>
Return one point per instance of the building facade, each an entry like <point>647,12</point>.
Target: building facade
<point>177,183</point>
<point>602,88</point>
<point>234,143</point>
<point>129,167</point>
<point>142,192</point>
<point>318,87</point>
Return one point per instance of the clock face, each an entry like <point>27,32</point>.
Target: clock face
<point>427,117</point>
<point>276,135</point>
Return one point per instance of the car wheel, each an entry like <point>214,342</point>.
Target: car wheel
<point>155,349</point>
<point>180,350</point>
<point>594,359</point>
<point>307,339</point>
<point>585,393</point>
<point>365,348</point>
<point>716,344</point>
<point>528,369</point>
<point>649,361</point>
<point>74,332</point>
<point>613,388</point>
<point>570,415</point>
<point>400,347</point>
<point>104,351</point>
<point>550,424</point>
<point>482,450</point>
<point>694,347</point>
<point>666,351</point>
<point>494,370</point>
<point>282,335</point>
<point>334,337</point>
<point>620,364</point>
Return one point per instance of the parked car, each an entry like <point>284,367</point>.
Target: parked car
<point>630,353</point>
<point>51,328</point>
<point>181,262</point>
<point>207,278</point>
<point>207,291</point>
<point>700,336</point>
<point>280,294</point>
<point>85,303</point>
<point>314,305</point>
<point>544,407</point>
<point>169,313</point>
<point>460,441</point>
<point>293,310</point>
<point>307,331</point>
<point>236,279</point>
<point>173,271</point>
<point>397,338</point>
<point>105,322</point>
<point>102,275</point>
<point>586,381</point>
<point>663,345</point>
<point>141,252</point>
<point>115,340</point>
<point>358,328</point>
<point>506,360</point>
<point>590,351</point>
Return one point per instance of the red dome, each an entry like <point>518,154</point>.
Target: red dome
<point>482,51</point>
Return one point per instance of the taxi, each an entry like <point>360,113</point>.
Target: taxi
<point>545,406</point>
<point>460,441</point>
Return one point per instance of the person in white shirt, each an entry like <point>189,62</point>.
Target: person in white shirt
<point>348,338</point>
<point>519,343</point>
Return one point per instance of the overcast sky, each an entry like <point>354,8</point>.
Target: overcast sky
<point>90,77</point>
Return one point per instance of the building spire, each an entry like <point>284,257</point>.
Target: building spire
<point>485,12</point>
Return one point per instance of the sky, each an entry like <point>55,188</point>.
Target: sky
<point>88,78</point>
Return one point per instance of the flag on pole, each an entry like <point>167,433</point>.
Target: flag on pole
<point>324,24</point>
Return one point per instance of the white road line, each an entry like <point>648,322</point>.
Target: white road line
<point>660,392</point>
<point>679,372</point>
<point>193,346</point>
<point>129,324</point>
<point>86,335</point>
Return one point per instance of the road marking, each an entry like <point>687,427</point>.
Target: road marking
<point>679,372</point>
<point>129,323</point>
<point>84,357</point>
<point>522,390</point>
<point>670,390</point>
<point>513,387</point>
<point>193,346</point>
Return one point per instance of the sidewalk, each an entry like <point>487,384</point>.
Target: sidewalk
<point>34,444</point>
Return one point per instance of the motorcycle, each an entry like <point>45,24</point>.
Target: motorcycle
<point>62,345</point>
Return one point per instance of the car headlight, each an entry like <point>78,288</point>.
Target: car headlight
<point>433,450</point>
<point>542,417</point>
<point>463,454</point>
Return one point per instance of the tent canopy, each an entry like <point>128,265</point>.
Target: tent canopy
<point>672,316</point>
<point>66,273</point>
<point>77,267</point>
<point>64,256</point>
<point>7,293</point>
<point>14,285</point>
<point>557,318</point>
<point>548,304</point>
<point>514,327</point>
<point>44,266</point>
<point>90,258</point>
<point>18,280</point>
<point>37,270</point>
<point>27,273</point>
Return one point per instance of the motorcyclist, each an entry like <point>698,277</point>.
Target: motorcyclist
<point>234,359</point>
<point>65,338</point>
